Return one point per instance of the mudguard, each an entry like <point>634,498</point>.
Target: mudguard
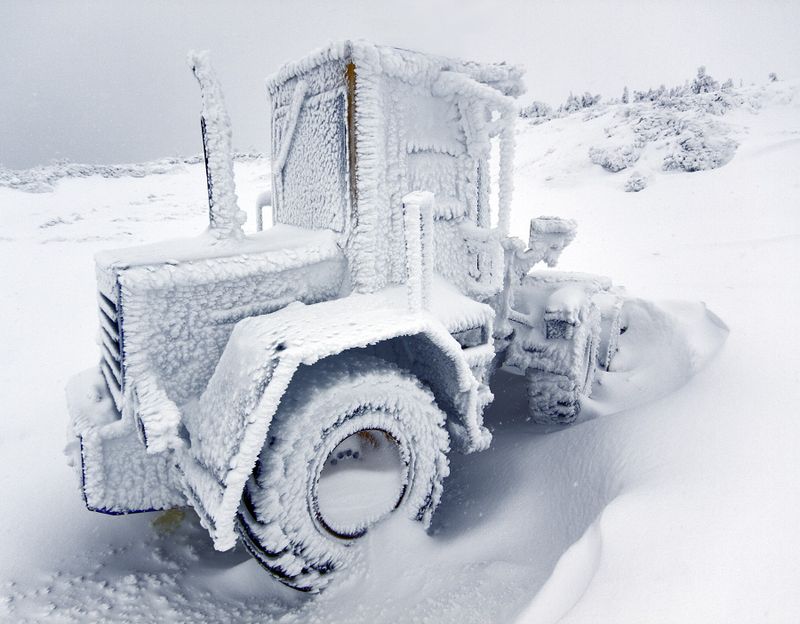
<point>228,424</point>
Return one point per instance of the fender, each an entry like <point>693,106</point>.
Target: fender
<point>227,425</point>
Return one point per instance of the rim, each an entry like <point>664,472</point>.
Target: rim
<point>333,489</point>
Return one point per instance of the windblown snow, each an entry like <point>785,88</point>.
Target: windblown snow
<point>668,502</point>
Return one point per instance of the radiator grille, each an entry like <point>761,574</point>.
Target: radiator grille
<point>111,347</point>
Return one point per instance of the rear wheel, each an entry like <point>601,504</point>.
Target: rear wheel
<point>555,395</point>
<point>552,398</point>
<point>354,439</point>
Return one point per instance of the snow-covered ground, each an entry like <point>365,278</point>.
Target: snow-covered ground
<point>683,510</point>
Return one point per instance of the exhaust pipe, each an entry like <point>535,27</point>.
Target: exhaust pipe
<point>224,217</point>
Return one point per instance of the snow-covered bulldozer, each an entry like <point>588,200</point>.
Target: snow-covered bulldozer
<point>246,374</point>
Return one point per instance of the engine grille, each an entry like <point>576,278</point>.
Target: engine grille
<point>111,347</point>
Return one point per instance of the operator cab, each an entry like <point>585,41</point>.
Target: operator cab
<point>355,127</point>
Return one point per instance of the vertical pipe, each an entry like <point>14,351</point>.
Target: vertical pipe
<point>264,199</point>
<point>426,244</point>
<point>506,177</point>
<point>418,225</point>
<point>411,221</point>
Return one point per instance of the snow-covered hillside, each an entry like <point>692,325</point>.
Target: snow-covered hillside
<point>682,510</point>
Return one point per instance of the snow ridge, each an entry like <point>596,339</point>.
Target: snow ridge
<point>43,178</point>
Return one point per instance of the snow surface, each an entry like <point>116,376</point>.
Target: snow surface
<point>682,510</point>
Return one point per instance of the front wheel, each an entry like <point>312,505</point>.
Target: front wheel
<point>354,439</point>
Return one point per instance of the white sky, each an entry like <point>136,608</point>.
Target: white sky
<point>107,81</point>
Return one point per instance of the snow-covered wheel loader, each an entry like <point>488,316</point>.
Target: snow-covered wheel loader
<point>257,377</point>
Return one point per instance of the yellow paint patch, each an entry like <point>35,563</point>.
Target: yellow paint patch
<point>168,521</point>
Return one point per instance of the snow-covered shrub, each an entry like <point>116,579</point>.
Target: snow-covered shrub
<point>696,149</point>
<point>661,96</point>
<point>716,103</point>
<point>616,158</point>
<point>680,126</point>
<point>635,183</point>
<point>537,112</point>
<point>651,95</point>
<point>577,102</point>
<point>656,124</point>
<point>703,83</point>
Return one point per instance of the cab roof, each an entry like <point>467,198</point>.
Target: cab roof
<point>401,63</point>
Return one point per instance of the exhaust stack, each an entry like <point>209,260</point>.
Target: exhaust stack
<point>225,218</point>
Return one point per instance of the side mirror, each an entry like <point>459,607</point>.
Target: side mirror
<point>549,236</point>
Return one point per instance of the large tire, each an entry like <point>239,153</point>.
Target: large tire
<point>279,519</point>
<point>555,397</point>
<point>552,399</point>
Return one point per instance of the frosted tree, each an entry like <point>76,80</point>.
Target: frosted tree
<point>704,83</point>
<point>575,103</point>
<point>537,112</point>
<point>625,96</point>
<point>588,99</point>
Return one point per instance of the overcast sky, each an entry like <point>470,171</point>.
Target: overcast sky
<point>107,81</point>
